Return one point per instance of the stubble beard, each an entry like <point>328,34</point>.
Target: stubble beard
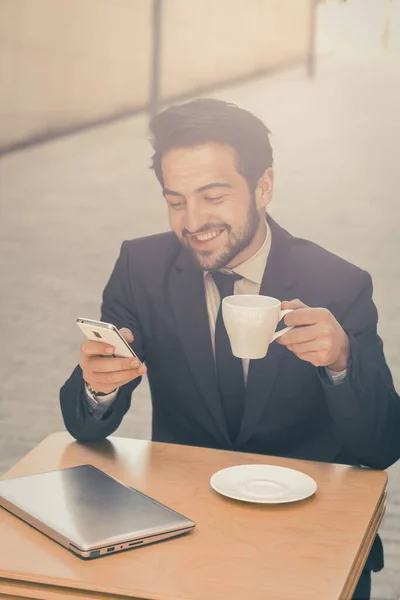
<point>237,242</point>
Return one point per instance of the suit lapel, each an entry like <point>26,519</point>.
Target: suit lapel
<point>277,282</point>
<point>187,295</point>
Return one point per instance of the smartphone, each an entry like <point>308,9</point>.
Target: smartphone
<point>107,333</point>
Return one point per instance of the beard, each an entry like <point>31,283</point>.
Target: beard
<point>238,240</point>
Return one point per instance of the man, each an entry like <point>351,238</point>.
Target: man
<point>323,392</point>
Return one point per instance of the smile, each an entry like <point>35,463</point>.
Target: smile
<point>208,235</point>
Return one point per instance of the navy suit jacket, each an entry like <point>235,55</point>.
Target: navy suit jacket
<point>291,407</point>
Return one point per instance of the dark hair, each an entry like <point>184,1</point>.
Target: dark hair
<point>209,120</point>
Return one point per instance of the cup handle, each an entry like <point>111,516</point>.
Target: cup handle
<point>282,331</point>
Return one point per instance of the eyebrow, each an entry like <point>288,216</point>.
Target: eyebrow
<point>203,188</point>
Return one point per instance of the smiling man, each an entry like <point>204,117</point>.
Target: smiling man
<point>323,392</point>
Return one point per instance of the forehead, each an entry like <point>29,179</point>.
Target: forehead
<point>186,169</point>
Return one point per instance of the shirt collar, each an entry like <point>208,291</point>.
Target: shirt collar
<point>253,268</point>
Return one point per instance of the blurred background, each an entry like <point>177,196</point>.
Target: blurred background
<point>79,80</point>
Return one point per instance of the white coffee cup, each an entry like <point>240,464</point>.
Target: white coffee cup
<point>250,321</point>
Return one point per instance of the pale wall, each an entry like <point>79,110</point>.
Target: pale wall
<point>67,62</point>
<point>64,63</point>
<point>228,39</point>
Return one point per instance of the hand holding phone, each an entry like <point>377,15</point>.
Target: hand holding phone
<point>107,361</point>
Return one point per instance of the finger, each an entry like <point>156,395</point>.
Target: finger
<point>299,335</point>
<point>99,384</point>
<point>127,334</point>
<point>311,357</point>
<point>91,348</point>
<point>294,304</point>
<point>307,316</point>
<point>117,379</point>
<point>317,345</point>
<point>109,365</point>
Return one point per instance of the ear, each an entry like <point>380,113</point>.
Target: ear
<point>265,188</point>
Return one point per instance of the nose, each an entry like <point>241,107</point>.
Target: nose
<point>194,217</point>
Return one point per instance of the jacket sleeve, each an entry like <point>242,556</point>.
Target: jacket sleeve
<point>117,308</point>
<point>365,407</point>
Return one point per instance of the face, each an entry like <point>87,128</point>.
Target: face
<point>210,206</point>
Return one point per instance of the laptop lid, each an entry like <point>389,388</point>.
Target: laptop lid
<point>90,512</point>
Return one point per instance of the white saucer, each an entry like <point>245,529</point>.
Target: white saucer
<point>266,484</point>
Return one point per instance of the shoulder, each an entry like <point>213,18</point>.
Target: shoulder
<point>153,251</point>
<point>320,262</point>
<point>165,240</point>
<point>321,274</point>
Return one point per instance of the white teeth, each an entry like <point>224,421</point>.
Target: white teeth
<point>202,237</point>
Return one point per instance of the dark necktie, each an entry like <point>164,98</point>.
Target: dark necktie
<point>229,368</point>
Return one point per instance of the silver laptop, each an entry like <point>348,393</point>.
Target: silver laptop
<point>89,512</point>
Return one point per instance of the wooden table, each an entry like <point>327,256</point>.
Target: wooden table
<point>311,549</point>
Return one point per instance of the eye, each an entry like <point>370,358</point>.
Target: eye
<point>214,198</point>
<point>176,205</point>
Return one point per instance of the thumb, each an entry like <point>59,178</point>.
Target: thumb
<point>293,304</point>
<point>126,334</point>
